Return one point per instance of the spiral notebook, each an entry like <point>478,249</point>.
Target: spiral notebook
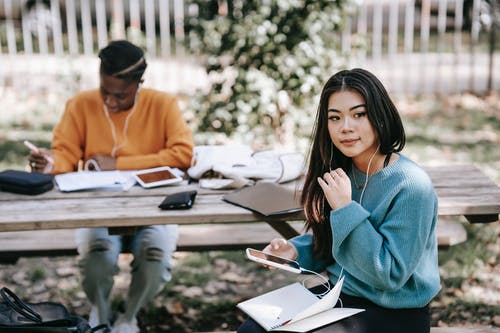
<point>294,308</point>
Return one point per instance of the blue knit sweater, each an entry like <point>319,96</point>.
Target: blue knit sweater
<point>387,246</point>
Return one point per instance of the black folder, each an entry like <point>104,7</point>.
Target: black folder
<point>268,199</point>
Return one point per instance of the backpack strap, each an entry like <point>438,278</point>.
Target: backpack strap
<point>16,304</point>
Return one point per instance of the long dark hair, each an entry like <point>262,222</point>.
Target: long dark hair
<point>324,156</point>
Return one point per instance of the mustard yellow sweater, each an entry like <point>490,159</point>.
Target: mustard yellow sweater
<point>157,135</point>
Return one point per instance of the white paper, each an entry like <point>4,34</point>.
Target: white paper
<point>294,308</point>
<point>319,320</point>
<point>327,302</point>
<point>278,306</point>
<point>87,180</point>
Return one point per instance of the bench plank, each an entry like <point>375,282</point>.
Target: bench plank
<point>233,236</point>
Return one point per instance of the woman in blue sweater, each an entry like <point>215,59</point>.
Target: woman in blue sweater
<point>372,212</point>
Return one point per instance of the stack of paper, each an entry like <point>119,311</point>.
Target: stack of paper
<point>89,180</point>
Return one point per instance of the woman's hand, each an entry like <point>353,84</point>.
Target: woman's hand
<point>105,162</point>
<point>280,247</point>
<point>39,160</point>
<point>336,186</point>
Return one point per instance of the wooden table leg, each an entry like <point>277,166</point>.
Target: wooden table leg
<point>285,230</point>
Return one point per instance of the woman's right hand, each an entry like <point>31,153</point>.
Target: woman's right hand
<point>281,247</point>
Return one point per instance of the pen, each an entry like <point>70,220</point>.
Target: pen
<point>36,150</point>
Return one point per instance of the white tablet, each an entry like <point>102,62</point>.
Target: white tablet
<point>272,260</point>
<point>157,177</point>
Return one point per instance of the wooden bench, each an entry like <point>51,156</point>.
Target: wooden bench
<point>234,236</point>
<point>207,237</point>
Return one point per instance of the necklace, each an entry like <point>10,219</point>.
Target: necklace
<point>358,186</point>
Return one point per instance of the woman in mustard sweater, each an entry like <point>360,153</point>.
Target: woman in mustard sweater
<point>120,126</point>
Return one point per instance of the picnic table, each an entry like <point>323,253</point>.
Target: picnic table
<point>463,190</point>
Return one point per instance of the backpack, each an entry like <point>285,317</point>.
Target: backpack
<point>17,316</point>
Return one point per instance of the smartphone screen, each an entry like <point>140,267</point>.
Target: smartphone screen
<point>269,259</point>
<point>156,176</point>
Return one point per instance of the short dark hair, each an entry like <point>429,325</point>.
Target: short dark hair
<point>123,60</point>
<point>324,156</point>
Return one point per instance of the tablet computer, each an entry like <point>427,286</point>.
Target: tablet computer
<point>274,261</point>
<point>157,177</point>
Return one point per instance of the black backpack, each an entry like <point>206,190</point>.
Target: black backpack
<point>43,317</point>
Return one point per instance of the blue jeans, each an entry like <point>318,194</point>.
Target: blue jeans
<point>152,248</point>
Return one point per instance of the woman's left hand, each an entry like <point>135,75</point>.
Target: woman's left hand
<point>336,186</point>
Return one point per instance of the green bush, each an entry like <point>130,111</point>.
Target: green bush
<point>266,61</point>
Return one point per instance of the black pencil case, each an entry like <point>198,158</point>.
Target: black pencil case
<point>25,182</point>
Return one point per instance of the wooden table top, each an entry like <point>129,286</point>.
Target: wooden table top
<point>462,190</point>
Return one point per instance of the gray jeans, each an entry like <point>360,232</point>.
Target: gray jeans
<point>152,248</point>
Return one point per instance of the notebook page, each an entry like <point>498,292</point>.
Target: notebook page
<point>278,306</point>
<point>85,180</point>
<point>327,302</point>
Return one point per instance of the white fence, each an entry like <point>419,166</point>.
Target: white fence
<point>413,45</point>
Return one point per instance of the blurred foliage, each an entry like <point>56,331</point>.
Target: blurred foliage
<point>266,60</point>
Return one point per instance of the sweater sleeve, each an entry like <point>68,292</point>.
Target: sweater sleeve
<point>385,256</point>
<point>177,149</point>
<point>305,254</point>
<point>67,141</point>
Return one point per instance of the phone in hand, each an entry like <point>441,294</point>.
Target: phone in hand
<point>274,261</point>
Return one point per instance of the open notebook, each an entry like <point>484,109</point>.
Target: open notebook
<point>89,180</point>
<point>266,198</point>
<point>294,308</point>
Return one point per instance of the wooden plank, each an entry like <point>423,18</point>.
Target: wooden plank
<point>55,210</point>
<point>458,178</point>
<point>191,238</point>
<point>126,211</point>
<point>9,26</point>
<point>101,24</point>
<point>149,19</point>
<point>88,40</point>
<point>43,43</point>
<point>71,27</point>
<point>56,27</point>
<point>27,42</point>
<point>164,17</point>
<point>377,31</point>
